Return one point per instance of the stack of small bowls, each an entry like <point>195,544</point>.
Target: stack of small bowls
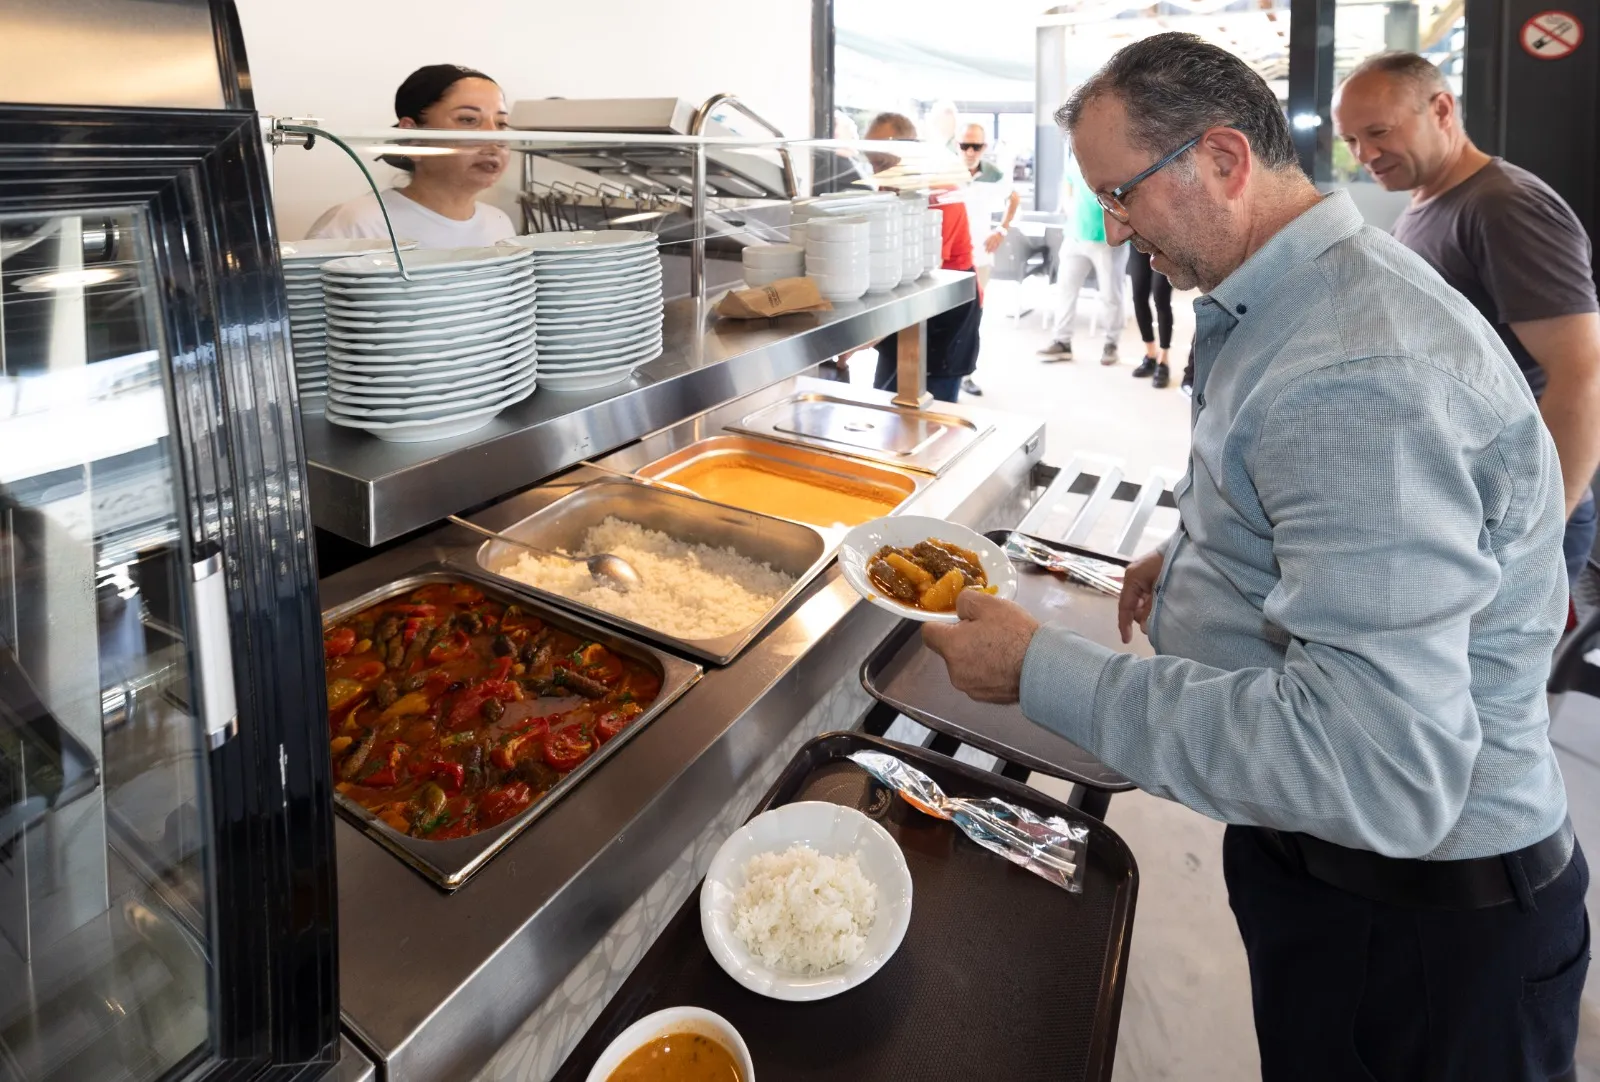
<point>885,265</point>
<point>766,263</point>
<point>915,234</point>
<point>838,250</point>
<point>932,241</point>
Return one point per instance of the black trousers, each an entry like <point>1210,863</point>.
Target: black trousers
<point>1350,990</point>
<point>1150,283</point>
<point>952,351</point>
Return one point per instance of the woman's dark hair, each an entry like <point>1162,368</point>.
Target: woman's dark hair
<point>423,89</point>
<point>1174,86</point>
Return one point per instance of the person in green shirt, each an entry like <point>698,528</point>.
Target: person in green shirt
<point>1084,249</point>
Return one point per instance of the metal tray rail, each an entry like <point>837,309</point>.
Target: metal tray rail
<point>1001,974</point>
<point>909,677</point>
<point>451,863</point>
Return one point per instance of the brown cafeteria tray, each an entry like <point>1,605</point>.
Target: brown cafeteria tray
<point>1001,975</point>
<point>908,676</point>
<point>451,863</point>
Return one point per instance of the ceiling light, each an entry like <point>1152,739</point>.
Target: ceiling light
<point>73,279</point>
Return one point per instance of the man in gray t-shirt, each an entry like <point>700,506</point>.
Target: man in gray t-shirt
<point>1504,239</point>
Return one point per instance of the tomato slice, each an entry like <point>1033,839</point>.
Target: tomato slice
<point>370,671</point>
<point>339,642</point>
<point>563,751</point>
<point>612,722</point>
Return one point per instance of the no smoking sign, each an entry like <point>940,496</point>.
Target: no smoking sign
<point>1552,35</point>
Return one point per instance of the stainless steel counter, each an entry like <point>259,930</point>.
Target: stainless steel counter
<point>371,491</point>
<point>436,983</point>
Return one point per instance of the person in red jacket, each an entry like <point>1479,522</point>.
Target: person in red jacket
<point>952,352</point>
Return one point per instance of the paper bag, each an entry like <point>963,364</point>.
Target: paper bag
<point>780,298</point>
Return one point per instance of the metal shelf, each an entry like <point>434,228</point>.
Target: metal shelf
<point>369,491</point>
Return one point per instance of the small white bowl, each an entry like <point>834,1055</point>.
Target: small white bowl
<point>832,830</point>
<point>903,531</point>
<point>831,285</point>
<point>849,228</point>
<point>773,255</point>
<point>694,1020</point>
<point>816,265</point>
<point>797,233</point>
<point>837,249</point>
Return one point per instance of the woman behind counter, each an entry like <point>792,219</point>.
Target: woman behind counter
<point>439,208</point>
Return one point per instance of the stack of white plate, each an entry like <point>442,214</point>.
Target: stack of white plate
<point>599,308</point>
<point>767,263</point>
<point>433,357</point>
<point>933,241</point>
<point>838,256</point>
<point>302,279</point>
<point>914,234</point>
<point>883,209</point>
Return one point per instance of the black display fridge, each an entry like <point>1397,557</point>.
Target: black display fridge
<point>167,896</point>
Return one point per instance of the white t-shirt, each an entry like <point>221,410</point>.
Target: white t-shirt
<point>413,221</point>
<point>984,199</point>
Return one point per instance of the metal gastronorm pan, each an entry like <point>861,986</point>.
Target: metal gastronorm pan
<point>451,863</point>
<point>791,547</point>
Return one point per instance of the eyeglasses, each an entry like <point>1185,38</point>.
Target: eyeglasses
<point>1112,201</point>
<point>972,146</point>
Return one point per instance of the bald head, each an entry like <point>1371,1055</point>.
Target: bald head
<point>1398,116</point>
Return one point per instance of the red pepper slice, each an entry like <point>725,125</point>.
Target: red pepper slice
<point>499,670</point>
<point>450,776</point>
<point>498,805</point>
<point>409,629</point>
<point>339,642</point>
<point>565,750</point>
<point>380,779</point>
<point>450,649</point>
<point>370,671</point>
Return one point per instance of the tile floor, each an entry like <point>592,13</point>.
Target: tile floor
<point>1186,1013</point>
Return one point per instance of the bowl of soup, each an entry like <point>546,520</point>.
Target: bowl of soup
<point>679,1044</point>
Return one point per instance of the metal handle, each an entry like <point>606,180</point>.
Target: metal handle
<point>213,652</point>
<point>491,534</point>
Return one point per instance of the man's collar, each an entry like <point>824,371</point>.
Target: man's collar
<point>1332,219</point>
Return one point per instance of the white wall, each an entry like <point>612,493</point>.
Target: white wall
<point>341,60</point>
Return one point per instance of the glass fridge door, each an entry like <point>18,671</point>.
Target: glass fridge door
<point>106,882</point>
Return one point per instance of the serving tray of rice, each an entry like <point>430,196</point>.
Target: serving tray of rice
<point>713,576</point>
<point>1001,974</point>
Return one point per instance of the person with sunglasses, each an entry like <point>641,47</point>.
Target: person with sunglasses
<point>1505,239</point>
<point>1354,619</point>
<point>988,190</point>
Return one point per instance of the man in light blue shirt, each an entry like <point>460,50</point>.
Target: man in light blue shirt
<point>1355,619</point>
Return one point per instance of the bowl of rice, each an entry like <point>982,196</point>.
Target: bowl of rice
<point>806,901</point>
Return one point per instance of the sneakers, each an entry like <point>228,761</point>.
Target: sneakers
<point>970,387</point>
<point>1059,350</point>
<point>1108,356</point>
<point>1187,386</point>
<point>1146,369</point>
<point>1162,377</point>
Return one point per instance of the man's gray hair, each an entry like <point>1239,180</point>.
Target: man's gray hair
<point>1420,73</point>
<point>1174,86</point>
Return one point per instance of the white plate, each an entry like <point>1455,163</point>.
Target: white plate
<point>623,257</point>
<point>432,369</point>
<point>412,312</point>
<point>561,325</point>
<point>427,262</point>
<point>557,309</point>
<point>569,337</point>
<point>361,395</point>
<point>668,1023</point>
<point>903,531</point>
<point>453,354</point>
<point>425,287</point>
<point>423,383</point>
<point>326,248</point>
<point>419,431</point>
<point>600,351</point>
<point>360,344</point>
<point>631,357</point>
<point>581,240</point>
<point>432,302</point>
<point>589,292</point>
<point>364,330</point>
<point>591,278</point>
<point>585,381</point>
<point>832,830</point>
<point>422,411</point>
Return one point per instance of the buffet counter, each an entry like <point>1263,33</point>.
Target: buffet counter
<point>504,975</point>
<point>370,491</point>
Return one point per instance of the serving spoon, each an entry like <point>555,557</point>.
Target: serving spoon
<point>604,568</point>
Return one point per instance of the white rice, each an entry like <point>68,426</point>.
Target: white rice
<point>804,912</point>
<point>690,591</point>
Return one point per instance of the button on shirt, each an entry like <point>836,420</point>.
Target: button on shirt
<point>1356,617</point>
